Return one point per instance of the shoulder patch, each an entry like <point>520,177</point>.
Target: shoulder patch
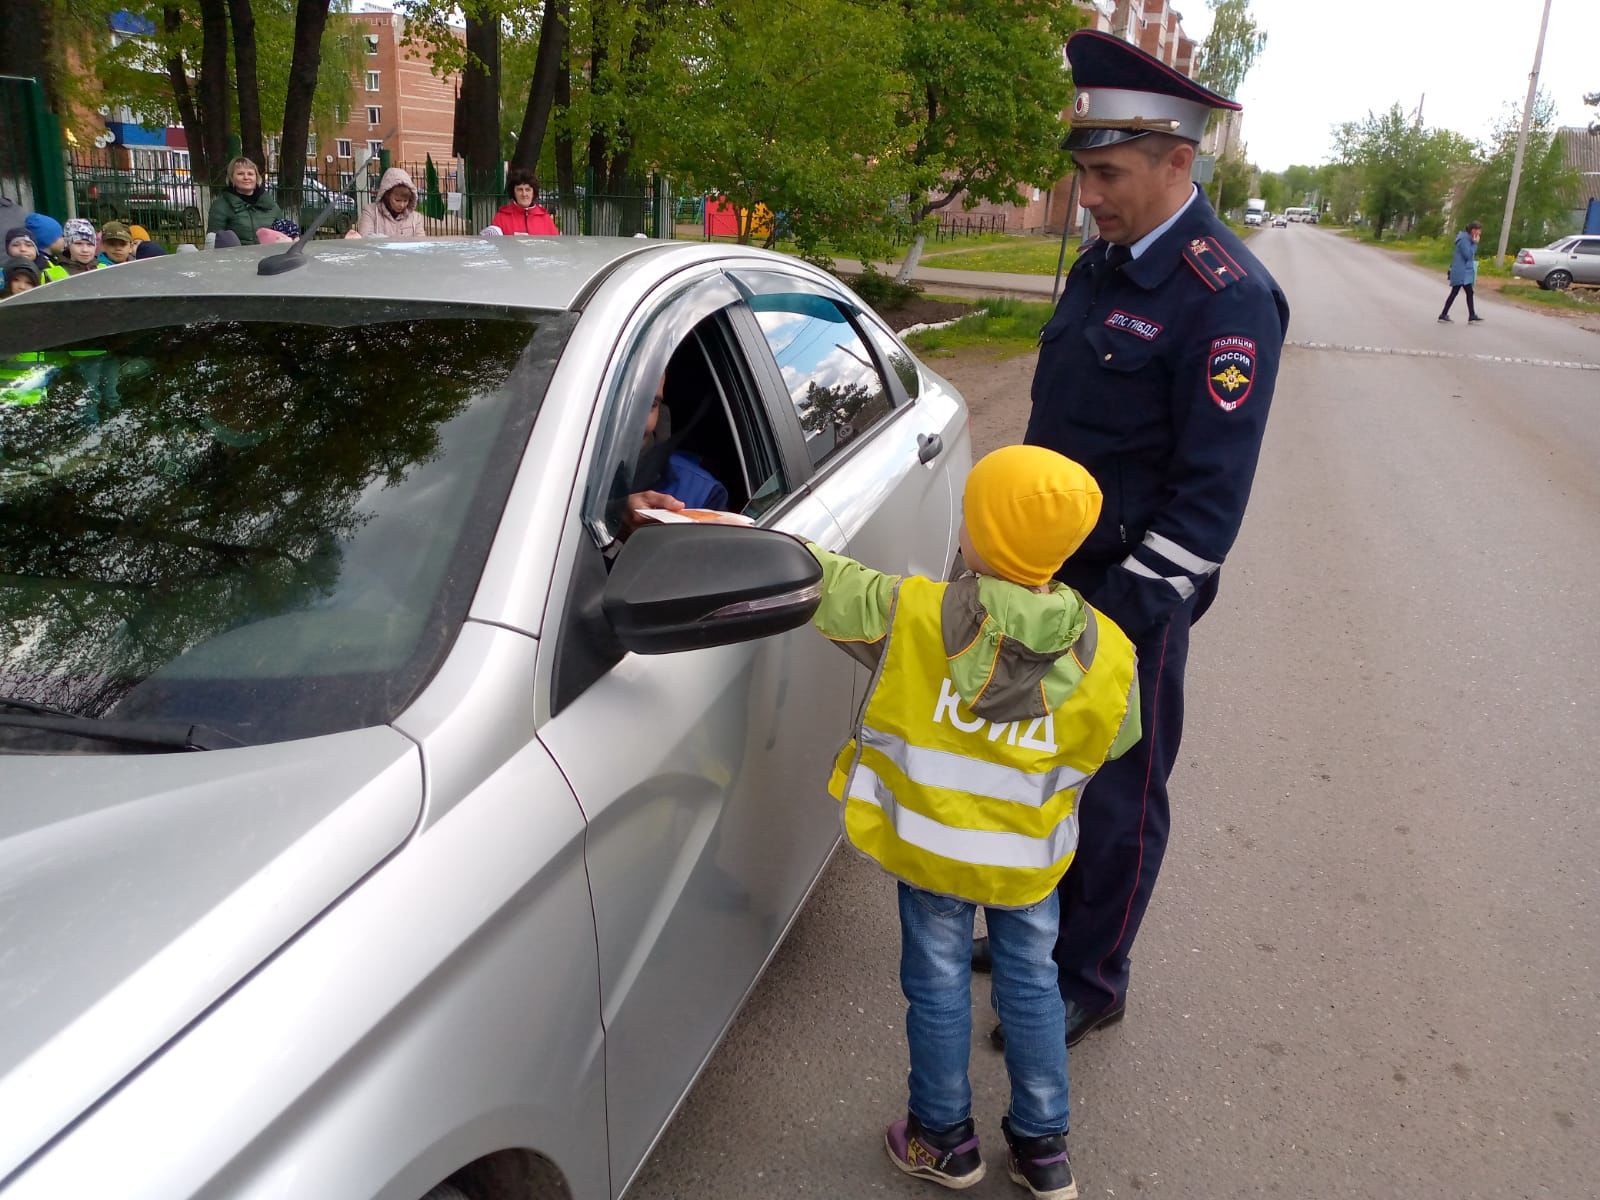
<point>1215,266</point>
<point>1231,371</point>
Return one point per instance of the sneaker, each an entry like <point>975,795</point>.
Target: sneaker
<point>1444,320</point>
<point>1041,1164</point>
<point>1474,320</point>
<point>950,1159</point>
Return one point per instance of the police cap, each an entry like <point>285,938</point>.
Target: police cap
<point>1124,93</point>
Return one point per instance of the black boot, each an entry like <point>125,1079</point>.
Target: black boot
<point>1040,1164</point>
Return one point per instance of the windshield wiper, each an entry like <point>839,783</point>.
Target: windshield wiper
<point>154,734</point>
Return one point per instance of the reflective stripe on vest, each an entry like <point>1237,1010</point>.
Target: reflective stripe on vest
<point>941,768</point>
<point>980,846</point>
<point>956,804</point>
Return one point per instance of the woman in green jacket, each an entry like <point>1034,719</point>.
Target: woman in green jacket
<point>244,206</point>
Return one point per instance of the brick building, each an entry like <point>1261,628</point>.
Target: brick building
<point>396,103</point>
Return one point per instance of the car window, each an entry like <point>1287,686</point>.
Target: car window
<point>269,524</point>
<point>1588,246</point>
<point>709,444</point>
<point>827,368</point>
<point>899,360</point>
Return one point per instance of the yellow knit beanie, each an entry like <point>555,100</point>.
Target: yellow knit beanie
<point>1027,509</point>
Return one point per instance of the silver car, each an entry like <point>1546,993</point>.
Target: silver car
<point>1562,263</point>
<point>376,820</point>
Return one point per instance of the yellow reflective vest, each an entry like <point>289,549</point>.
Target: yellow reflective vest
<point>955,804</point>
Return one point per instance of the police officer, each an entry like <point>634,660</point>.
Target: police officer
<point>1156,373</point>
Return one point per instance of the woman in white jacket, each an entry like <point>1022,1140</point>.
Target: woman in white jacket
<point>395,215</point>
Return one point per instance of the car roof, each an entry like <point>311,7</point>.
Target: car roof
<point>522,272</point>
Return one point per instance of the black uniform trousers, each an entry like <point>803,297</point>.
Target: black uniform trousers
<point>1123,819</point>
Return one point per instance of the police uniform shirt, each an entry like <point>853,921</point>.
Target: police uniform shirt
<point>1157,374</point>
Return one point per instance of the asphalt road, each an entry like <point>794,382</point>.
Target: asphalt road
<point>1372,963</point>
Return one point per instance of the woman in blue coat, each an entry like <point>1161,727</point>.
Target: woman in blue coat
<point>1464,271</point>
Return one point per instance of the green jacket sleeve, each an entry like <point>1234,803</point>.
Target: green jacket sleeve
<point>1130,733</point>
<point>855,599</point>
<point>217,215</point>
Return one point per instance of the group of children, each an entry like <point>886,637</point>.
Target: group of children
<point>994,699</point>
<point>42,250</point>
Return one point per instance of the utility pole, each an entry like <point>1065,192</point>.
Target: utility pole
<point>1522,138</point>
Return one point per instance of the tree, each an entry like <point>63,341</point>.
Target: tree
<point>1274,191</point>
<point>549,62</point>
<point>310,21</point>
<point>983,109</point>
<point>243,19</point>
<point>1230,49</point>
<point>212,99</point>
<point>1546,192</point>
<point>477,132</point>
<point>1235,176</point>
<point>1404,166</point>
<point>746,100</point>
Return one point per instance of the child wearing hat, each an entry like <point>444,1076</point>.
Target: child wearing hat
<point>20,275</point>
<point>83,247</point>
<point>994,699</point>
<point>47,236</point>
<point>20,243</point>
<point>116,244</point>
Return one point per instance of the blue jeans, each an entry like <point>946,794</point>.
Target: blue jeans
<point>936,976</point>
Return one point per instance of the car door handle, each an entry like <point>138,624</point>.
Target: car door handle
<point>929,447</point>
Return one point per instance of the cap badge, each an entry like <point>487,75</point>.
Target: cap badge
<point>1080,105</point>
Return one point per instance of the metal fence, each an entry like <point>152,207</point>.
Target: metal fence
<point>953,225</point>
<point>645,206</point>
<point>171,205</point>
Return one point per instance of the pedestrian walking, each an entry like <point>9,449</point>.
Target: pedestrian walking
<point>524,214</point>
<point>244,206</point>
<point>1156,373</point>
<point>993,700</point>
<point>395,214</point>
<point>1463,273</point>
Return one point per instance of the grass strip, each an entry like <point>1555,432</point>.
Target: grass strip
<point>1005,327</point>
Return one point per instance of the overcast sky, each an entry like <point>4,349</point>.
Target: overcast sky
<point>1329,62</point>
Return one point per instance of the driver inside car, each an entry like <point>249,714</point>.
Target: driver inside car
<point>679,480</point>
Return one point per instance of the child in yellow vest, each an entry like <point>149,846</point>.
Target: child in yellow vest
<point>993,701</point>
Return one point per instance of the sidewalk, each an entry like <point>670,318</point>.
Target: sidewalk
<point>984,281</point>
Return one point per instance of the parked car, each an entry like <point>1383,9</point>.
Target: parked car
<point>316,196</point>
<point>377,820</point>
<point>1562,263</point>
<point>157,201</point>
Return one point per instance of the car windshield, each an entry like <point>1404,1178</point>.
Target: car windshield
<point>269,524</point>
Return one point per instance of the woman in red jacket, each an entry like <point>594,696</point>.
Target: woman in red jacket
<point>524,214</point>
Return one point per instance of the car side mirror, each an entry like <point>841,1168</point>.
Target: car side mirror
<point>682,587</point>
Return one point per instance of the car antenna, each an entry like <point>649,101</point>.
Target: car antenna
<point>295,255</point>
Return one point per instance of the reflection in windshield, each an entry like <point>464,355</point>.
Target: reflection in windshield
<point>264,526</point>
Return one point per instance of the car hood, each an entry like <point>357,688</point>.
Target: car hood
<point>136,890</point>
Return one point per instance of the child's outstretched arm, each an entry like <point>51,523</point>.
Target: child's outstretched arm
<point>856,603</point>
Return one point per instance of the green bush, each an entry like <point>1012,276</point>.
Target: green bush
<point>881,291</point>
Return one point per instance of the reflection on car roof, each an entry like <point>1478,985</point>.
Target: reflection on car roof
<point>539,273</point>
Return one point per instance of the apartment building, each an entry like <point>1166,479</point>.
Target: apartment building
<point>396,102</point>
